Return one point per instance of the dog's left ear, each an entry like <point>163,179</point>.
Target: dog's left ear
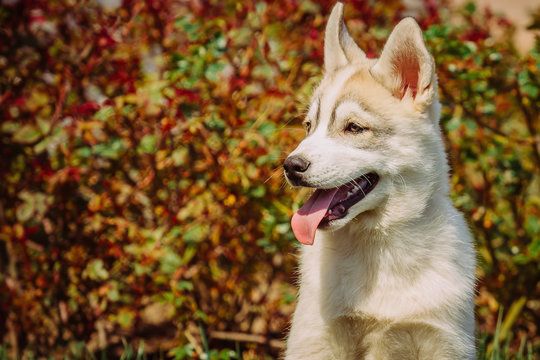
<point>405,67</point>
<point>339,46</point>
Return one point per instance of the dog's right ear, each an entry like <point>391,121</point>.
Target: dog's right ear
<point>405,66</point>
<point>339,47</point>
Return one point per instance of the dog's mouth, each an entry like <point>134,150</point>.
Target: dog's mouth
<point>348,195</point>
<point>327,205</point>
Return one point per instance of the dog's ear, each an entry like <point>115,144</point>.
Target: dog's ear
<point>339,47</point>
<point>405,67</point>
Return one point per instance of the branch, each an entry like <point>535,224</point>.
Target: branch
<point>251,338</point>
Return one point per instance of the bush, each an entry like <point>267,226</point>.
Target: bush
<point>142,194</point>
<point>490,99</point>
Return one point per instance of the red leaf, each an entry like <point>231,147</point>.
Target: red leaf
<point>87,108</point>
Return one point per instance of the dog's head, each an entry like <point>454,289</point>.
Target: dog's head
<point>373,151</point>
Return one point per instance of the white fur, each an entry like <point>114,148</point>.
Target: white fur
<point>394,279</point>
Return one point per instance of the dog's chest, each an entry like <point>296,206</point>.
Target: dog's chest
<point>354,282</point>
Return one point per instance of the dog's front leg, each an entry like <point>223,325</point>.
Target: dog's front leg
<point>308,336</point>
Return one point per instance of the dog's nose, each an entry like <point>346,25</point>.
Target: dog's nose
<point>295,165</point>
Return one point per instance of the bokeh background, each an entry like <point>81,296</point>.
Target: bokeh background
<point>143,210</point>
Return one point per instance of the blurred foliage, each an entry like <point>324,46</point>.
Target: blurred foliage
<point>141,145</point>
<point>491,103</point>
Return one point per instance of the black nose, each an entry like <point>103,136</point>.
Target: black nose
<point>295,166</point>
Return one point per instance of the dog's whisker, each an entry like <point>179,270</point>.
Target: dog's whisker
<point>274,172</point>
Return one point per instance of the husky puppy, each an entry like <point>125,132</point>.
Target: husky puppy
<point>389,270</point>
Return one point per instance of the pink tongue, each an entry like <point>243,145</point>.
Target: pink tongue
<point>305,222</point>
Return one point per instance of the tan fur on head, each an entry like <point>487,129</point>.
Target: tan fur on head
<point>405,67</point>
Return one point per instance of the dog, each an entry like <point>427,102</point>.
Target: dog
<point>388,270</point>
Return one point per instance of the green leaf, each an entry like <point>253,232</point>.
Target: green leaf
<point>27,134</point>
<point>195,234</point>
<point>268,158</point>
<point>258,192</point>
<point>179,156</point>
<point>24,211</point>
<point>170,262</point>
<point>212,71</point>
<point>214,122</point>
<point>532,225</point>
<point>84,152</point>
<point>530,89</point>
<point>184,285</point>
<point>34,205</point>
<point>9,127</point>
<point>191,29</point>
<point>263,71</point>
<point>436,32</point>
<point>111,150</point>
<point>113,294</point>
<point>488,108</point>
<point>242,37</point>
<point>95,270</point>
<point>534,248</point>
<point>148,144</point>
<point>380,32</point>
<point>104,113</point>
<point>470,8</point>
<point>42,145</point>
<point>267,129</point>
<point>125,317</point>
<point>289,298</point>
<point>310,7</point>
<point>189,253</point>
<point>44,125</point>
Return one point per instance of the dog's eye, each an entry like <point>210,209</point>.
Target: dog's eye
<point>354,128</point>
<point>307,125</point>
